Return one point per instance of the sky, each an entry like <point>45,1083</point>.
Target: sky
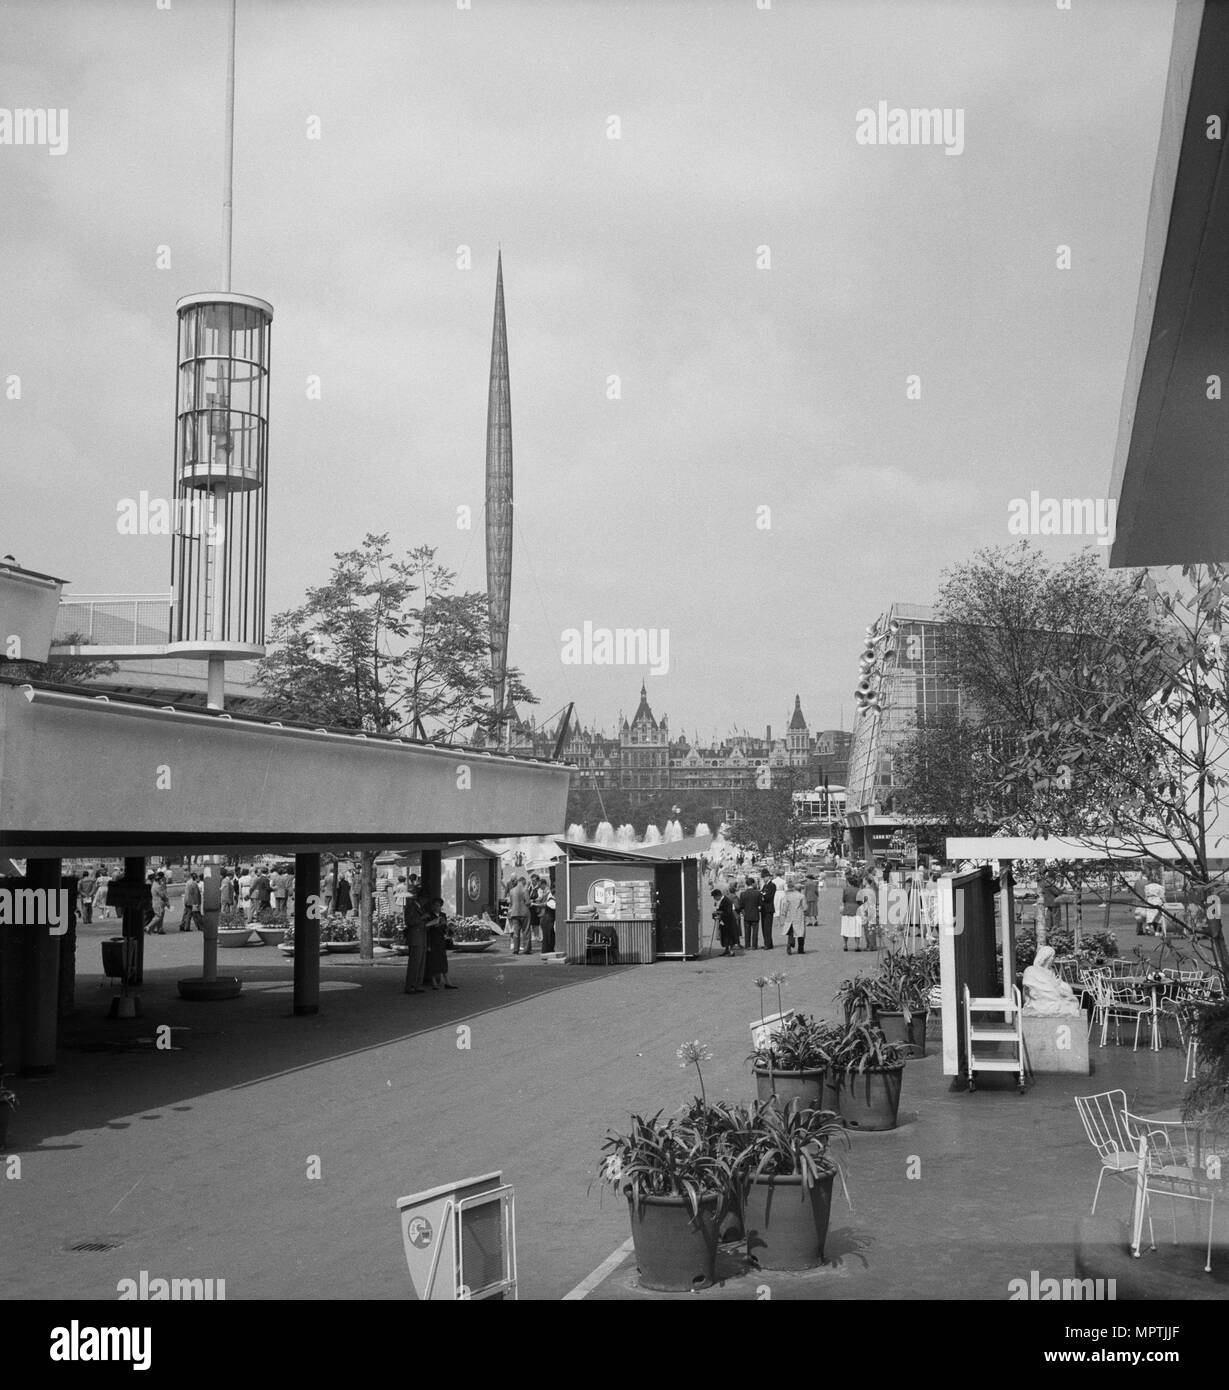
<point>764,479</point>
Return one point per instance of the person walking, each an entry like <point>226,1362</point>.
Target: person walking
<point>810,908</point>
<point>160,901</point>
<point>192,917</point>
<point>768,896</point>
<point>416,940</point>
<point>548,923</point>
<point>344,901</point>
<point>100,894</point>
<point>279,882</point>
<point>518,915</point>
<point>227,891</point>
<point>749,907</point>
<point>726,918</point>
<point>851,919</point>
<point>85,896</point>
<point>789,914</point>
<point>262,892</point>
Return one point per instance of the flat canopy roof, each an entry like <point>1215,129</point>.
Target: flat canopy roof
<point>1171,463</point>
<point>83,773</point>
<point>1055,847</point>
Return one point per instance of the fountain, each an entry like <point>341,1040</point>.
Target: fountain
<point>674,830</point>
<point>605,834</point>
<point>702,829</point>
<point>576,834</point>
<point>625,837</point>
<point>652,836</point>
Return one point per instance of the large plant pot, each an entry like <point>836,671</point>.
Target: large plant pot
<point>785,1223</point>
<point>912,1034</point>
<point>271,936</point>
<point>673,1252</point>
<point>865,1100</point>
<point>237,937</point>
<point>805,1086</point>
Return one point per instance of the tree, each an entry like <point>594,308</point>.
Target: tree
<point>1145,734</point>
<point>944,777</point>
<point>385,646</point>
<point>769,820</point>
<point>362,652</point>
<point>1010,614</point>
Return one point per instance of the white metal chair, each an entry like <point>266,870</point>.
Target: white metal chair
<point>1090,982</point>
<point>1103,1123</point>
<point>1119,1002</point>
<point>1167,1172</point>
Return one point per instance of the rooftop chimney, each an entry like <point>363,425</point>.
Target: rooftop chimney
<point>768,735</point>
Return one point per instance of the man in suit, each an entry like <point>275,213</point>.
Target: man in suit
<point>749,906</point>
<point>768,895</point>
<point>518,916</point>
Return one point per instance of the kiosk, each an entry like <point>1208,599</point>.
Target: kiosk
<point>653,898</point>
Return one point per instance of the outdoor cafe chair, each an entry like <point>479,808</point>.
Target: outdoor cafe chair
<point>1090,983</point>
<point>1121,1002</point>
<point>599,944</point>
<point>1167,1171</point>
<point>1103,1123</point>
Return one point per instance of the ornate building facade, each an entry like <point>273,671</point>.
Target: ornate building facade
<point>643,759</point>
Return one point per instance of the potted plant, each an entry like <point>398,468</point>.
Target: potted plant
<point>471,934</point>
<point>8,1103</point>
<point>234,929</point>
<point>902,986</point>
<point>678,1176</point>
<point>340,934</point>
<point>791,1064</point>
<point>863,1078</point>
<point>858,998</point>
<point>785,1177</point>
<point>271,926</point>
<point>389,930</point>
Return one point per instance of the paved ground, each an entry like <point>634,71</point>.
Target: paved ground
<point>195,1159</point>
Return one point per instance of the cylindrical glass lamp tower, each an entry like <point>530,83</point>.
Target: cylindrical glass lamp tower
<point>221,459</point>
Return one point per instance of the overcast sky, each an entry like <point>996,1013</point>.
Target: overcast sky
<point>741,387</point>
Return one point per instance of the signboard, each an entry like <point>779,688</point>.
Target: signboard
<point>763,1030</point>
<point>893,842</point>
<point>460,1240</point>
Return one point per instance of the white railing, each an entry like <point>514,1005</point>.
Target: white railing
<point>108,620</point>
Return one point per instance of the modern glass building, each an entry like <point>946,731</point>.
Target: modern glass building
<point>914,674</point>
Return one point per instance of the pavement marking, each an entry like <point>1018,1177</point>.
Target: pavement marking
<point>127,1194</point>
<point>607,1267</point>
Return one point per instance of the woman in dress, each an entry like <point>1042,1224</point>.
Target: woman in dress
<point>851,919</point>
<point>100,896</point>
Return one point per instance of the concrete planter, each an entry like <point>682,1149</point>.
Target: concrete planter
<point>804,1086</point>
<point>234,937</point>
<point>786,1223</point>
<point>865,1100</point>
<point>674,1252</point>
<point>271,936</point>
<point>912,1034</point>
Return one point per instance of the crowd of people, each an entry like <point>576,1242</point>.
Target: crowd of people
<point>531,909</point>
<point>788,902</point>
